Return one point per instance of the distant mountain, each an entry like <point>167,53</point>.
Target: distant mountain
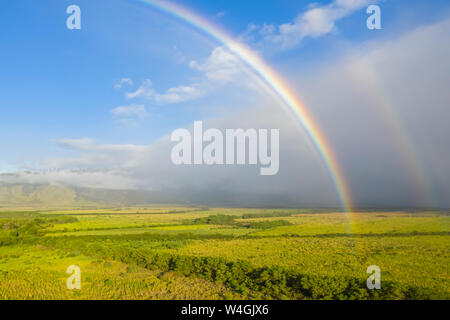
<point>27,195</point>
<point>14,195</point>
<point>21,195</point>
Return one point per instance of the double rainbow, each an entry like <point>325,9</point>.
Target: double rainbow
<point>272,81</point>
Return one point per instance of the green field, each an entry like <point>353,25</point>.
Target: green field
<point>222,253</point>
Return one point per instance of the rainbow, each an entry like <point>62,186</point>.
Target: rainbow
<point>271,80</point>
<point>402,138</point>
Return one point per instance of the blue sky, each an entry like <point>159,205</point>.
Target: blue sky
<point>61,84</point>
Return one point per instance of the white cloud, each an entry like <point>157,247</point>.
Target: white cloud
<point>315,22</point>
<point>132,110</point>
<point>123,81</point>
<point>145,90</point>
<point>179,94</point>
<point>108,166</point>
<point>80,144</point>
<point>93,156</point>
<point>104,179</point>
<point>220,68</point>
<point>172,95</point>
<point>91,145</point>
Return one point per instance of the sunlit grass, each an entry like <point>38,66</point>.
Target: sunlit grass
<point>411,248</point>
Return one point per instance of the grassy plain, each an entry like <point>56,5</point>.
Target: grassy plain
<point>222,253</point>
